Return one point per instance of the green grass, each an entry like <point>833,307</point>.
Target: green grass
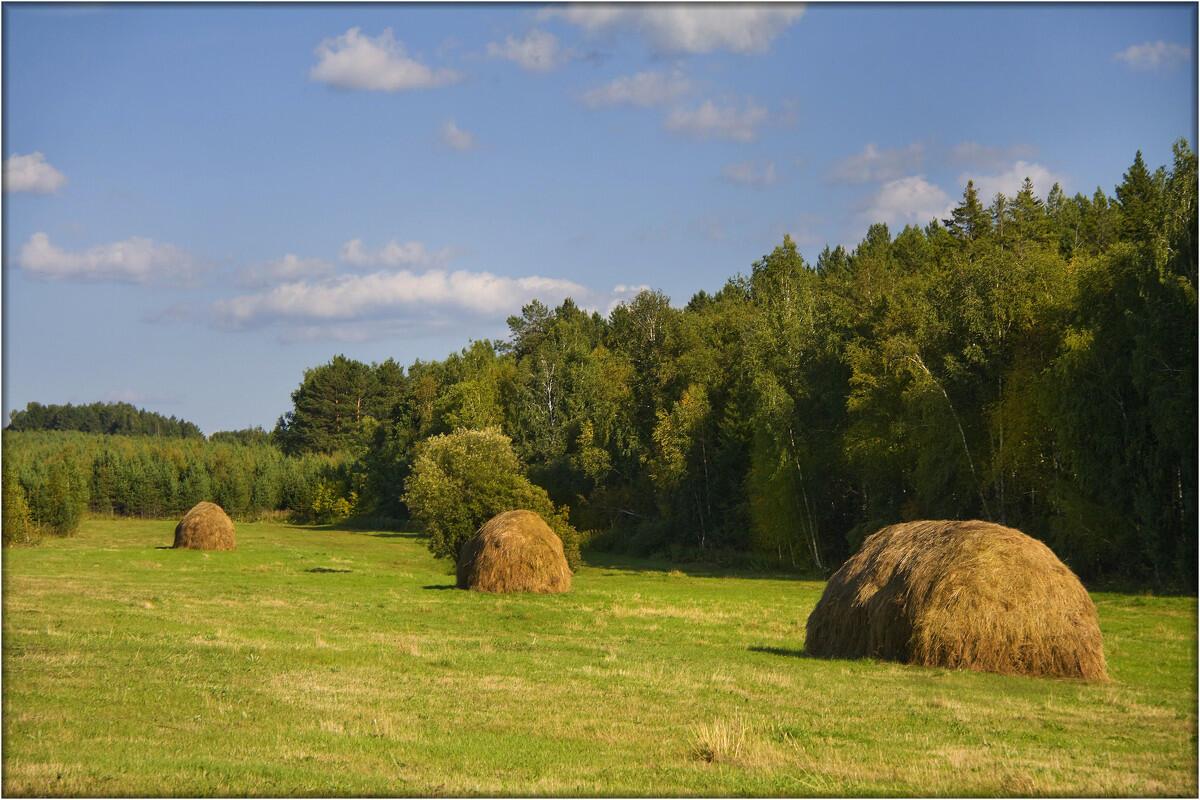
<point>320,662</point>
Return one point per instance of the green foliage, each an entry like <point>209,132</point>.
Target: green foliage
<point>18,526</point>
<point>328,506</point>
<point>65,473</point>
<point>334,401</point>
<point>111,418</point>
<point>460,480</point>
<point>254,435</point>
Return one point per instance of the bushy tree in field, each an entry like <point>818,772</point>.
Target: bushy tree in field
<point>460,480</point>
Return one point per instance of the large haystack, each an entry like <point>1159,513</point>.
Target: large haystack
<point>970,595</point>
<point>514,552</point>
<point>205,527</point>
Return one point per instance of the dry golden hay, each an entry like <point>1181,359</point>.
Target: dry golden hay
<point>205,527</point>
<point>515,551</point>
<point>970,595</point>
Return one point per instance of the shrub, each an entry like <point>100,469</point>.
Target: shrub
<point>59,505</point>
<point>460,480</point>
<point>328,506</point>
<point>17,526</point>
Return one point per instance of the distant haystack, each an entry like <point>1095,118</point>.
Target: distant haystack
<point>970,595</point>
<point>514,552</point>
<point>205,527</point>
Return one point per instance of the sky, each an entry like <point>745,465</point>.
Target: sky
<point>202,201</point>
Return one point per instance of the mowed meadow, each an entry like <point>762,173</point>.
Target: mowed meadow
<point>319,661</point>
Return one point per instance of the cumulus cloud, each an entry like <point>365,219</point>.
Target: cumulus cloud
<point>356,61</point>
<point>387,294</point>
<point>1154,55</point>
<point>709,120</point>
<point>1009,181</point>
<point>909,200</point>
<point>686,28</point>
<point>31,173</point>
<point>878,164</point>
<point>290,267</point>
<point>135,260</point>
<point>456,138</point>
<point>974,154</point>
<point>644,89</point>
<point>747,173</point>
<point>392,254</point>
<point>537,51</point>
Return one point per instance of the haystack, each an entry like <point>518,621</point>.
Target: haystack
<point>205,527</point>
<point>969,595</point>
<point>514,552</point>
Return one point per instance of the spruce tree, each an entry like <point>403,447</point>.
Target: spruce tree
<point>969,219</point>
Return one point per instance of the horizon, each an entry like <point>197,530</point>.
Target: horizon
<point>202,202</point>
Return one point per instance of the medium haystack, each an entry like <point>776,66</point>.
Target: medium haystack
<point>514,552</point>
<point>205,527</point>
<point>970,595</point>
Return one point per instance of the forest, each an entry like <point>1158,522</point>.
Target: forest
<point>1027,361</point>
<point>121,418</point>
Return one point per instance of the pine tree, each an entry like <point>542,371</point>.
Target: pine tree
<point>969,219</point>
<point>1029,215</point>
<point>1140,199</point>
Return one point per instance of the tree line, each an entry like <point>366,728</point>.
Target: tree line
<point>111,418</point>
<point>52,477</point>
<point>1027,361</point>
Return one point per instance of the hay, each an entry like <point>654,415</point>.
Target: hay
<point>514,552</point>
<point>205,527</point>
<point>969,595</point>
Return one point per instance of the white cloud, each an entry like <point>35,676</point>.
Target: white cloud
<point>355,61</point>
<point>910,200</point>
<point>392,254</point>
<point>1154,55</point>
<point>709,120</point>
<point>623,293</point>
<point>135,260</point>
<point>983,156</point>
<point>747,173</point>
<point>645,90</point>
<point>384,294</point>
<point>290,267</point>
<point>31,173</point>
<point>538,51</point>
<point>456,138</point>
<point>875,164</point>
<point>687,28</point>
<point>1009,181</point>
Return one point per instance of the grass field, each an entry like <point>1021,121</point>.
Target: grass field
<point>335,662</point>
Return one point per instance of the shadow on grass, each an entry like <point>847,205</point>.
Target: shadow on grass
<point>339,527</point>
<point>327,569</point>
<point>780,651</point>
<point>603,559</point>
<point>440,586</point>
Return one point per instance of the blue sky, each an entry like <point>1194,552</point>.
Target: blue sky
<point>202,201</point>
